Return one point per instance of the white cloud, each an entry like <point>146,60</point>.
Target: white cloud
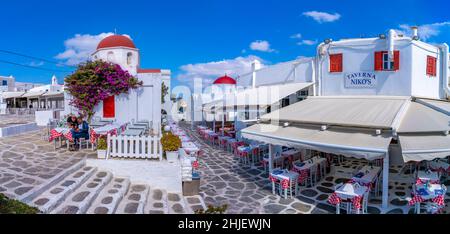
<point>426,31</point>
<point>296,36</point>
<point>307,42</point>
<point>261,45</point>
<point>209,71</point>
<point>322,17</point>
<point>80,47</point>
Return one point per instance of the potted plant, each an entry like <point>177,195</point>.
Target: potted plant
<point>171,144</point>
<point>101,148</point>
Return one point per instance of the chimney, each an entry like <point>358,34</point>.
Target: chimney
<point>256,65</point>
<point>415,35</point>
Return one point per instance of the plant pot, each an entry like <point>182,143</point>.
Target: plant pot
<point>101,154</point>
<point>172,156</point>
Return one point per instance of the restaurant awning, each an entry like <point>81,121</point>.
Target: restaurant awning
<point>421,118</point>
<point>347,142</point>
<point>440,105</point>
<point>54,94</point>
<point>358,111</point>
<point>424,147</point>
<point>33,94</point>
<point>6,95</point>
<point>262,96</point>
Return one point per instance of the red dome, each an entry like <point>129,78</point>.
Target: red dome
<point>225,80</point>
<point>116,41</point>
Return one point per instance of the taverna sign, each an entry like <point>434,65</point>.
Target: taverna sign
<point>360,80</point>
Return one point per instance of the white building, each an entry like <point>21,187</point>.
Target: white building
<point>371,98</point>
<point>143,103</point>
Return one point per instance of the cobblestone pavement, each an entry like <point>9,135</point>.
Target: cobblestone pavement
<point>27,161</point>
<point>247,190</point>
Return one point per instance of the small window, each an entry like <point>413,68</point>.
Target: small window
<point>111,57</point>
<point>335,62</point>
<point>387,63</point>
<point>4,82</point>
<point>431,66</point>
<point>384,63</point>
<point>129,58</point>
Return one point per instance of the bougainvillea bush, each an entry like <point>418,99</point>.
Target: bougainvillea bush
<point>94,81</point>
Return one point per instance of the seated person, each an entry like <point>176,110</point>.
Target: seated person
<point>72,121</point>
<point>80,130</point>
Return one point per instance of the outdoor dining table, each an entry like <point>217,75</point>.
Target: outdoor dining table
<point>428,192</point>
<point>212,136</point>
<point>190,147</point>
<point>230,143</point>
<point>287,180</point>
<point>367,175</point>
<point>132,132</point>
<point>292,154</point>
<point>223,140</point>
<point>349,191</point>
<point>304,168</point>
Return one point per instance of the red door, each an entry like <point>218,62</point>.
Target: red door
<point>109,108</point>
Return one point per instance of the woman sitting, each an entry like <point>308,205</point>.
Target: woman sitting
<point>80,130</point>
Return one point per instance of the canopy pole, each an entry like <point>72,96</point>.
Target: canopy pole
<point>223,124</point>
<point>385,198</point>
<point>214,123</point>
<point>270,158</point>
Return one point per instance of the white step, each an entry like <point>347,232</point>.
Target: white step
<point>109,198</point>
<point>175,203</point>
<point>79,201</point>
<point>157,202</point>
<point>135,200</point>
<point>194,203</point>
<point>52,197</point>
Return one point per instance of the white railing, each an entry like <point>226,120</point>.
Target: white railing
<point>142,147</point>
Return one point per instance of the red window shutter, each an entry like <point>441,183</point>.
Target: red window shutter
<point>396,60</point>
<point>336,63</point>
<point>109,107</point>
<point>431,66</point>
<point>434,65</point>
<point>378,61</point>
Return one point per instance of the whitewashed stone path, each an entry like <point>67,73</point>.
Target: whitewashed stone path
<point>247,190</point>
<point>60,182</point>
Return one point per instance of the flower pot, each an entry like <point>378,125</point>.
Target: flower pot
<point>172,156</point>
<point>101,154</point>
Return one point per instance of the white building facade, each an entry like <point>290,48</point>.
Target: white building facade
<point>143,103</point>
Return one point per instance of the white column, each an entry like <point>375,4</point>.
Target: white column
<point>270,158</point>
<point>223,123</point>
<point>385,198</point>
<point>214,122</point>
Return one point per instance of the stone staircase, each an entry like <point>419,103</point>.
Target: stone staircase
<point>88,190</point>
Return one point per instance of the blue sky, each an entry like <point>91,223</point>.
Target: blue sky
<point>199,38</point>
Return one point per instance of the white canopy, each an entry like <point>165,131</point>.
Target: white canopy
<point>358,111</point>
<point>6,95</point>
<point>53,93</point>
<point>34,94</point>
<point>421,118</point>
<point>261,96</point>
<point>424,147</point>
<point>338,141</point>
<point>440,105</point>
